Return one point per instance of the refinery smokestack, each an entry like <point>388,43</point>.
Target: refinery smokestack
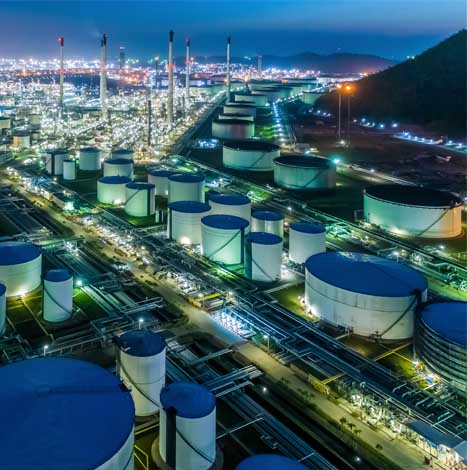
<point>170,94</point>
<point>228,70</point>
<point>260,66</point>
<point>61,41</point>
<point>187,73</point>
<point>103,83</point>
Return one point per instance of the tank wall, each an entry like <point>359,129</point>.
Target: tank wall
<point>140,202</point>
<point>225,117</point>
<point>270,226</point>
<point>239,110</point>
<point>123,459</point>
<point>223,246</point>
<point>22,141</point>
<point>190,191</point>
<point>69,170</point>
<point>258,100</point>
<point>185,227</point>
<point>89,161</point>
<point>121,169</point>
<point>110,193</point>
<point>58,300</point>
<point>161,183</point>
<point>251,160</point>
<point>54,163</point>
<point>263,262</point>
<point>243,211</point>
<point>303,178</point>
<point>2,313</point>
<point>303,245</point>
<point>226,130</point>
<point>21,278</point>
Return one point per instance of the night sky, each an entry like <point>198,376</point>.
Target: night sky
<point>391,28</point>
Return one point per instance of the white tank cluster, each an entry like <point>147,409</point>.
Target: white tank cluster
<point>2,309</point>
<point>141,366</point>
<point>160,179</point>
<point>139,199</point>
<point>263,257</point>
<point>22,139</point>
<point>78,416</point>
<point>184,221</point>
<point>250,155</point>
<point>310,97</point>
<point>186,187</point>
<point>250,98</point>
<point>268,221</point>
<point>302,173</point>
<point>54,161</point>
<point>20,267</point>
<point>112,189</point>
<point>233,129</point>
<point>413,211</point>
<point>223,238</point>
<point>57,297</point>
<point>269,462</point>
<point>124,154</point>
<point>90,159</point>
<point>230,204</point>
<point>188,410</point>
<point>69,170</point>
<point>118,167</point>
<point>240,108</point>
<point>367,295</point>
<point>305,240</point>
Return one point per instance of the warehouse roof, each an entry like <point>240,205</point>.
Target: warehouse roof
<point>193,207</point>
<point>17,252</point>
<point>141,343</point>
<point>191,400</point>
<point>223,221</point>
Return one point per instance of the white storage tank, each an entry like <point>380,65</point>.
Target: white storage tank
<point>141,366</point>
<point>413,211</point>
<point>2,309</point>
<point>20,267</point>
<point>223,238</point>
<point>112,189</point>
<point>184,224</point>
<point>256,99</point>
<point>124,154</point>
<point>230,204</point>
<point>240,108</point>
<point>160,179</point>
<point>67,413</point>
<point>370,296</point>
<point>249,155</point>
<point>310,97</point>
<point>54,161</point>
<point>186,187</point>
<point>140,200</point>
<point>268,221</point>
<point>90,159</point>
<point>69,170</point>
<point>306,239</point>
<point>269,462</point>
<point>22,139</point>
<point>193,408</point>
<point>232,129</point>
<point>119,167</point>
<point>263,257</point>
<point>57,297</point>
<point>304,173</point>
<point>5,122</point>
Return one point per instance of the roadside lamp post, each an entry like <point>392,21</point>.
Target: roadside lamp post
<point>348,89</point>
<point>140,323</point>
<point>45,349</point>
<point>338,86</point>
<point>266,338</point>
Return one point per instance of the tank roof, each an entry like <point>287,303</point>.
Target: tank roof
<point>191,400</point>
<point>413,195</point>
<point>90,149</point>
<point>122,152</point>
<point>306,227</point>
<point>164,173</point>
<point>263,238</point>
<point>448,319</point>
<point>223,221</point>
<point>140,186</point>
<point>118,161</point>
<point>366,274</point>
<point>57,151</point>
<point>193,207</point>
<point>267,215</point>
<point>269,462</point>
<point>57,275</point>
<point>62,409</point>
<point>302,161</point>
<point>186,177</point>
<point>251,144</point>
<point>141,343</point>
<point>240,122</point>
<point>229,199</point>
<point>2,289</point>
<point>114,180</point>
<point>18,252</point>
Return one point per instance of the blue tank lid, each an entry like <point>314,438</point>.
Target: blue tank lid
<point>193,207</point>
<point>191,400</point>
<point>18,252</point>
<point>263,238</point>
<point>90,149</point>
<point>141,343</point>
<point>366,274</point>
<point>267,215</point>
<point>163,173</point>
<point>140,186</point>
<point>306,227</point>
<point>61,410</point>
<point>227,222</point>
<point>187,177</point>
<point>57,275</point>
<point>270,462</point>
<point>114,180</point>
<point>448,319</point>
<point>118,161</point>
<point>230,199</point>
<point>2,289</point>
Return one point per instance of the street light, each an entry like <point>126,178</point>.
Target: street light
<point>140,322</point>
<point>266,338</point>
<point>348,90</point>
<point>45,349</point>
<point>339,86</point>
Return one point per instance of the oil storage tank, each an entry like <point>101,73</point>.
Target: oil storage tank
<point>57,296</point>
<point>240,108</point>
<point>263,257</point>
<point>118,167</point>
<point>69,170</point>
<point>54,161</point>
<point>139,199</point>
<point>141,366</point>
<point>90,159</point>
<point>268,221</point>
<point>5,122</point>
<point>370,296</point>
<point>223,238</point>
<point>250,155</point>
<point>20,267</point>
<point>230,204</point>
<point>441,341</point>
<point>269,462</point>
<point>68,414</point>
<point>413,211</point>
<point>233,129</point>
<point>186,187</point>
<point>112,189</point>
<point>184,224</point>
<point>192,409</point>
<point>124,154</point>
<point>22,139</point>
<point>302,173</point>
<point>256,99</point>
<point>305,240</point>
<point>160,179</point>
<point>242,117</point>
<point>2,308</point>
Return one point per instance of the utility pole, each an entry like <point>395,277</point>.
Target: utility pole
<point>170,92</point>
<point>228,70</point>
<point>339,112</point>
<point>103,81</point>
<point>187,73</point>
<point>61,41</point>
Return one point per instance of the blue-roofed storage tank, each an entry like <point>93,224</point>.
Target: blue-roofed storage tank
<point>186,187</point>
<point>191,408</point>
<point>365,294</point>
<point>233,129</point>
<point>119,167</point>
<point>268,221</point>
<point>20,267</point>
<point>184,223</point>
<point>122,153</point>
<point>141,366</point>
<point>269,462</point>
<point>112,189</point>
<point>90,159</point>
<point>441,341</point>
<point>263,257</point>
<point>160,179</point>
<point>66,414</point>
<point>249,155</point>
<point>57,297</point>
<point>2,308</point>
<point>230,204</point>
<point>305,240</point>
<point>140,200</point>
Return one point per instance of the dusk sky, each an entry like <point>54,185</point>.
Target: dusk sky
<point>391,28</point>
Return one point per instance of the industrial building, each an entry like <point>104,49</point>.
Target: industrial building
<point>250,155</point>
<point>140,199</point>
<point>305,240</point>
<point>263,257</point>
<point>90,159</point>
<point>57,297</point>
<point>186,187</point>
<point>119,167</point>
<point>112,189</point>
<point>184,221</point>
<point>232,129</point>
<point>268,221</point>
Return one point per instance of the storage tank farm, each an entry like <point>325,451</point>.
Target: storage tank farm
<point>305,240</point>
<point>69,170</point>
<point>2,308</point>
<point>112,189</point>
<point>230,204</point>
<point>413,211</point>
<point>233,129</point>
<point>118,167</point>
<point>269,462</point>
<point>160,179</point>
<point>367,295</point>
<point>57,296</point>
<point>184,221</point>
<point>140,199</point>
<point>191,408</point>
<point>263,257</point>
<point>441,341</point>
<point>20,267</point>
<point>268,221</point>
<point>90,159</point>
<point>186,187</point>
<point>141,366</point>
<point>54,161</point>
<point>249,155</point>
<point>79,416</point>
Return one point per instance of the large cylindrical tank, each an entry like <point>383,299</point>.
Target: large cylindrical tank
<point>22,139</point>
<point>263,257</point>
<point>141,366</point>
<point>68,414</point>
<point>20,267</point>
<point>123,154</point>
<point>272,94</point>
<point>269,462</point>
<point>250,155</point>
<point>413,211</point>
<point>184,224</point>
<point>54,161</point>
<point>230,204</point>
<point>261,84</point>
<point>304,173</point>
<point>232,129</point>
<point>112,189</point>
<point>242,117</point>
<point>57,297</point>
<point>119,167</point>
<point>306,239</point>
<point>240,108</point>
<point>268,221</point>
<point>186,187</point>
<point>160,179</point>
<point>69,170</point>
<point>5,122</point>
<point>193,408</point>
<point>310,97</point>
<point>256,99</point>
<point>2,308</point>
<point>365,294</point>
<point>223,238</point>
<point>90,159</point>
<point>139,199</point>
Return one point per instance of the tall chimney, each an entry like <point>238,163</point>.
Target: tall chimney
<point>187,73</point>
<point>61,41</point>
<point>228,70</point>
<point>170,94</point>
<point>103,82</point>
<point>260,66</point>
